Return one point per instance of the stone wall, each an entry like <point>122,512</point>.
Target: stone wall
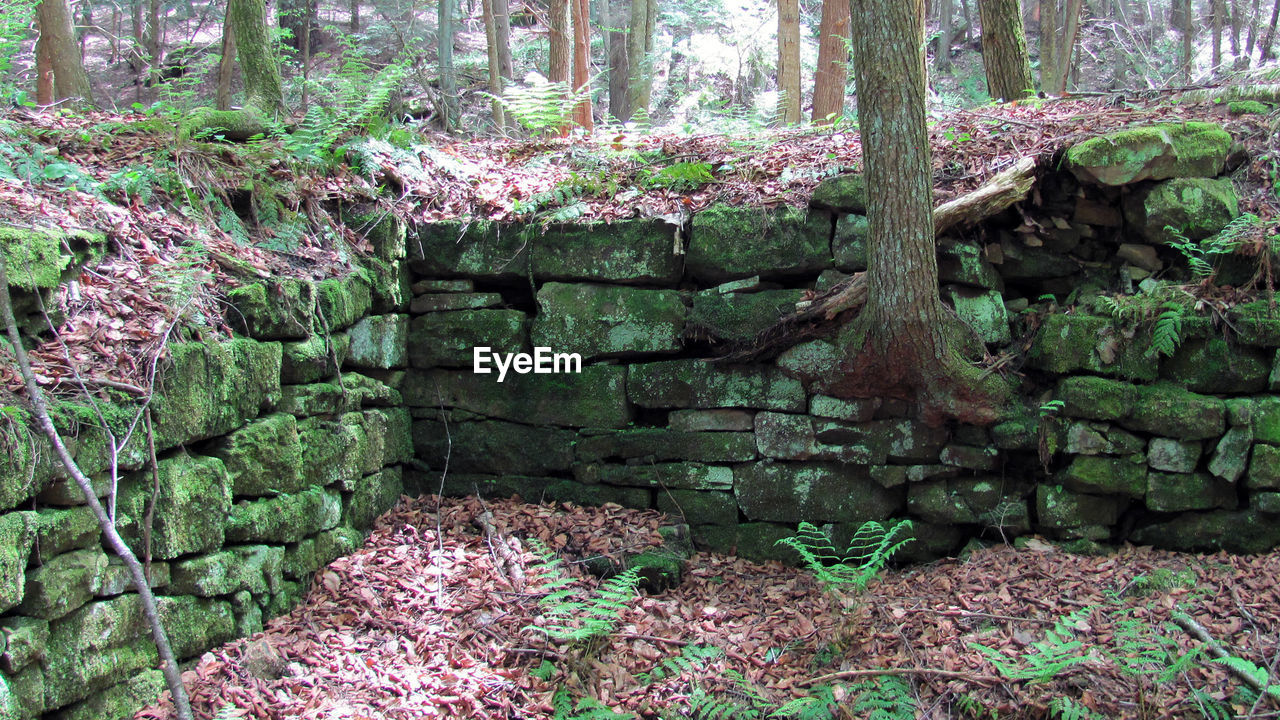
<point>269,465</point>
<point>1112,441</point>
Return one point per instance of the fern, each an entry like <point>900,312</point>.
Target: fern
<point>356,103</point>
<point>1167,333</point>
<point>869,551</point>
<point>692,659</point>
<point>885,698</point>
<point>564,708</point>
<point>1212,708</point>
<point>680,177</point>
<point>1047,658</point>
<point>569,616</point>
<point>1245,668</point>
<point>1064,708</point>
<point>821,704</point>
<point>541,105</point>
<point>1200,255</point>
<point>1141,650</point>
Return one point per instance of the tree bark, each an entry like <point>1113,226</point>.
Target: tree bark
<point>582,64</point>
<point>1252,42</point>
<point>299,18</point>
<point>1215,7</point>
<point>1188,45</point>
<point>558,66</point>
<point>57,44</point>
<point>226,65</point>
<point>354,11</point>
<point>1066,28</point>
<point>789,61</point>
<point>904,342</point>
<point>446,13</point>
<point>502,25</point>
<point>942,57</point>
<point>833,61</point>
<point>495,74</point>
<point>639,57</point>
<point>617,40</point>
<point>1004,50</point>
<point>256,53</point>
<point>1049,25</point>
<point>1265,53</point>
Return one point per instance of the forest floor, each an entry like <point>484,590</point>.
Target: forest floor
<point>431,618</point>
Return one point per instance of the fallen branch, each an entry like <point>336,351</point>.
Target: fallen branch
<point>1214,648</point>
<point>956,674</point>
<point>995,195</point>
<point>168,663</point>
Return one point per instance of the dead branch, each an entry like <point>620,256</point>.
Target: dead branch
<point>1214,648</point>
<point>169,664</point>
<point>1000,192</point>
<point>846,674</point>
<point>508,559</point>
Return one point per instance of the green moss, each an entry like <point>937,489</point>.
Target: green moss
<point>658,569</point>
<point>380,342</point>
<point>291,593</point>
<point>310,360</point>
<point>596,397</point>
<point>1240,531</point>
<point>845,193</point>
<point>17,533</point>
<point>343,301</point>
<point>42,258</point>
<point>281,308</point>
<point>1069,343</point>
<point>1213,366</point>
<point>1170,411</point>
<point>1178,492</point>
<point>699,507</point>
<point>739,317</point>
<point>286,518</point>
<point>195,624</point>
<point>63,584</point>
<point>699,384</point>
<point>235,125</point>
<point>372,496</point>
<point>24,643</point>
<point>494,446</point>
<point>669,476</point>
<point>121,701</point>
<point>732,242</point>
<point>664,445</point>
<point>190,508</point>
<point>60,530</point>
<point>209,389</point>
<point>1155,152</point>
<point>624,251</point>
<point>812,492</point>
<point>750,541</point>
<point>1059,508</point>
<point>256,568</point>
<point>263,457</point>
<point>603,320</point>
<point>1248,107</point>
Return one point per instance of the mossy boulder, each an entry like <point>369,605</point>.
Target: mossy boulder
<point>470,248</point>
<point>386,233</point>
<point>1264,467</point>
<point>596,397</point>
<point>607,320</point>
<point>1155,152</point>
<point>1211,365</point>
<point>342,301</point>
<point>116,578</point>
<point>843,193</point>
<point>1194,208</point>
<point>1169,455</point>
<point>285,518</point>
<point>1170,411</point>
<point>849,242</point>
<point>94,647</point>
<point>1071,343</point>
<point>732,242</point>
<point>624,251</point>
<point>1099,475</point>
<point>43,258</point>
<point>1256,323</point>
<point>191,505</point>
<point>982,501</point>
<point>255,568</point>
<point>1096,398</point>
<point>738,317</point>
<point>983,311</point>
<point>699,384</point>
<point>1231,457</point>
<point>24,640</point>
<point>60,530</point>
<point>1266,420</point>
<point>17,534</point>
<point>813,492</point>
<point>1058,508</point>
<point>751,540</point>
<point>263,457</point>
<point>209,389</point>
<point>1248,107</point>
<point>710,420</point>
<point>63,583</point>
<point>658,444</point>
<point>379,342</point>
<point>494,446</point>
<point>448,339</point>
<point>334,450</point>
<point>964,263</point>
<point>1178,492</point>
<point>276,309</point>
<point>316,358</point>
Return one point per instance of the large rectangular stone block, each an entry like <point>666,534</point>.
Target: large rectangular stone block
<point>677,475</point>
<point>447,339</point>
<point>596,397</point>
<point>263,457</point>
<point>209,389</point>
<point>812,492</point>
<point>736,242</point>
<point>624,251</point>
<point>494,446</point>
<point>190,508</point>
<point>699,384</point>
<point>660,444</point>
<point>604,321</point>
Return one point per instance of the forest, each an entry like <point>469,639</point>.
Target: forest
<point>926,359</point>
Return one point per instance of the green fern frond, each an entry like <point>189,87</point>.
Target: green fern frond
<point>1047,658</point>
<point>821,704</point>
<point>885,698</point>
<point>564,708</point>
<point>1167,333</point>
<point>869,551</point>
<point>1064,708</point>
<point>692,659</point>
<point>571,615</point>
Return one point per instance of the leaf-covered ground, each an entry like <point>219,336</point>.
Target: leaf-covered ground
<point>428,620</point>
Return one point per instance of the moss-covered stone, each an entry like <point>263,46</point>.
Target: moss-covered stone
<point>63,583</point>
<point>291,593</point>
<point>306,361</point>
<point>494,446</point>
<point>1038,264</point>
<point>1231,457</point>
<point>698,384</point>
<point>335,543</point>
<point>983,311</point>
<point>209,389</point>
<point>1267,503</point>
<point>58,531</point>
<point>901,440</point>
<point>356,391</point>
<point>190,507</point>
<point>42,258</point>
<point>1018,433</point>
<point>487,486</point>
<point>1087,439</point>
<point>970,457</point>
<point>1069,343</point>
<point>1247,107</point>
<point>928,541</point>
<point>1096,398</point>
<point>1156,152</point>
<point>372,496</point>
<point>558,490</point>
<point>116,578</point>
<point>624,251</point>
<point>849,410</point>
<point>24,642</point>
<point>1212,366</point>
<point>1266,421</point>
<point>752,541</point>
<point>658,444</point>
<point>470,248</point>
<point>1058,508</point>
<point>1169,455</point>
<point>710,420</point>
<point>673,475</point>
<point>93,647</point>
<point>1168,410</point>
<point>1194,208</point>
<point>738,317</point>
<point>1264,467</point>
<point>849,242</point>
<point>256,568</point>
<point>596,397</point>
<point>27,689</point>
<point>453,302</point>
<point>658,570</point>
<point>334,450</point>
<point>388,440</point>
<point>964,263</point>
<point>607,321</point>
<point>731,242</point>
<point>276,309</point>
<point>1100,475</point>
<point>343,301</point>
<point>386,233</point>
<point>813,492</point>
<point>388,286</point>
<point>263,457</point>
<point>1256,323</point>
<point>981,501</point>
<point>285,518</point>
<point>1240,531</point>
<point>447,339</point>
<point>1178,492</point>
<point>699,507</point>
<point>842,193</point>
<point>380,342</point>
<point>120,701</point>
<point>195,624</point>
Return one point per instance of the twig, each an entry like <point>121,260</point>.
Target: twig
<point>1214,648</point>
<point>508,560</point>
<point>845,674</point>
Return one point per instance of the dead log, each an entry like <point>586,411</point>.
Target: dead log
<point>995,195</point>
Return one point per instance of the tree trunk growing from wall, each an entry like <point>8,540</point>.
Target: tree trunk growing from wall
<point>903,344</point>
<point>833,62</point>
<point>58,55</point>
<point>1004,50</point>
<point>789,61</point>
<point>256,52</point>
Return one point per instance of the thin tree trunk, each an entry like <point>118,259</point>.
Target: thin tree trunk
<point>502,24</point>
<point>354,10</point>
<point>495,73</point>
<point>86,22</point>
<point>1064,63</point>
<point>942,58</point>
<point>968,20</point>
<point>833,66</point>
<point>789,61</point>
<point>58,37</point>
<point>1253,29</point>
<point>558,67</point>
<point>1265,54</point>
<point>445,31</point>
<point>618,74</point>
<point>1188,37</point>
<point>44,66</point>
<point>226,64</point>
<point>256,53</point>
<point>1235,27</point>
<point>115,35</point>
<point>1049,38</point>
<point>151,40</point>
<point>1004,50</point>
<point>582,64</point>
<point>639,59</point>
<point>1215,7</point>
<point>168,663</point>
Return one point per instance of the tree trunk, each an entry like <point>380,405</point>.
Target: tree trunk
<point>1253,29</point>
<point>1065,32</point>
<point>833,61</point>
<point>1188,45</point>
<point>446,12</point>
<point>299,18</point>
<point>1215,7</point>
<point>226,65</point>
<point>256,52</point>
<point>1049,28</point>
<point>1004,50</point>
<point>617,39</point>
<point>559,65</point>
<point>1265,54</point>
<point>502,24</point>
<point>902,344</point>
<point>968,20</point>
<point>354,11</point>
<point>44,67</point>
<point>942,57</point>
<point>639,57</point>
<point>57,44</point>
<point>582,63</point>
<point>495,74</point>
<point>789,61</point>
